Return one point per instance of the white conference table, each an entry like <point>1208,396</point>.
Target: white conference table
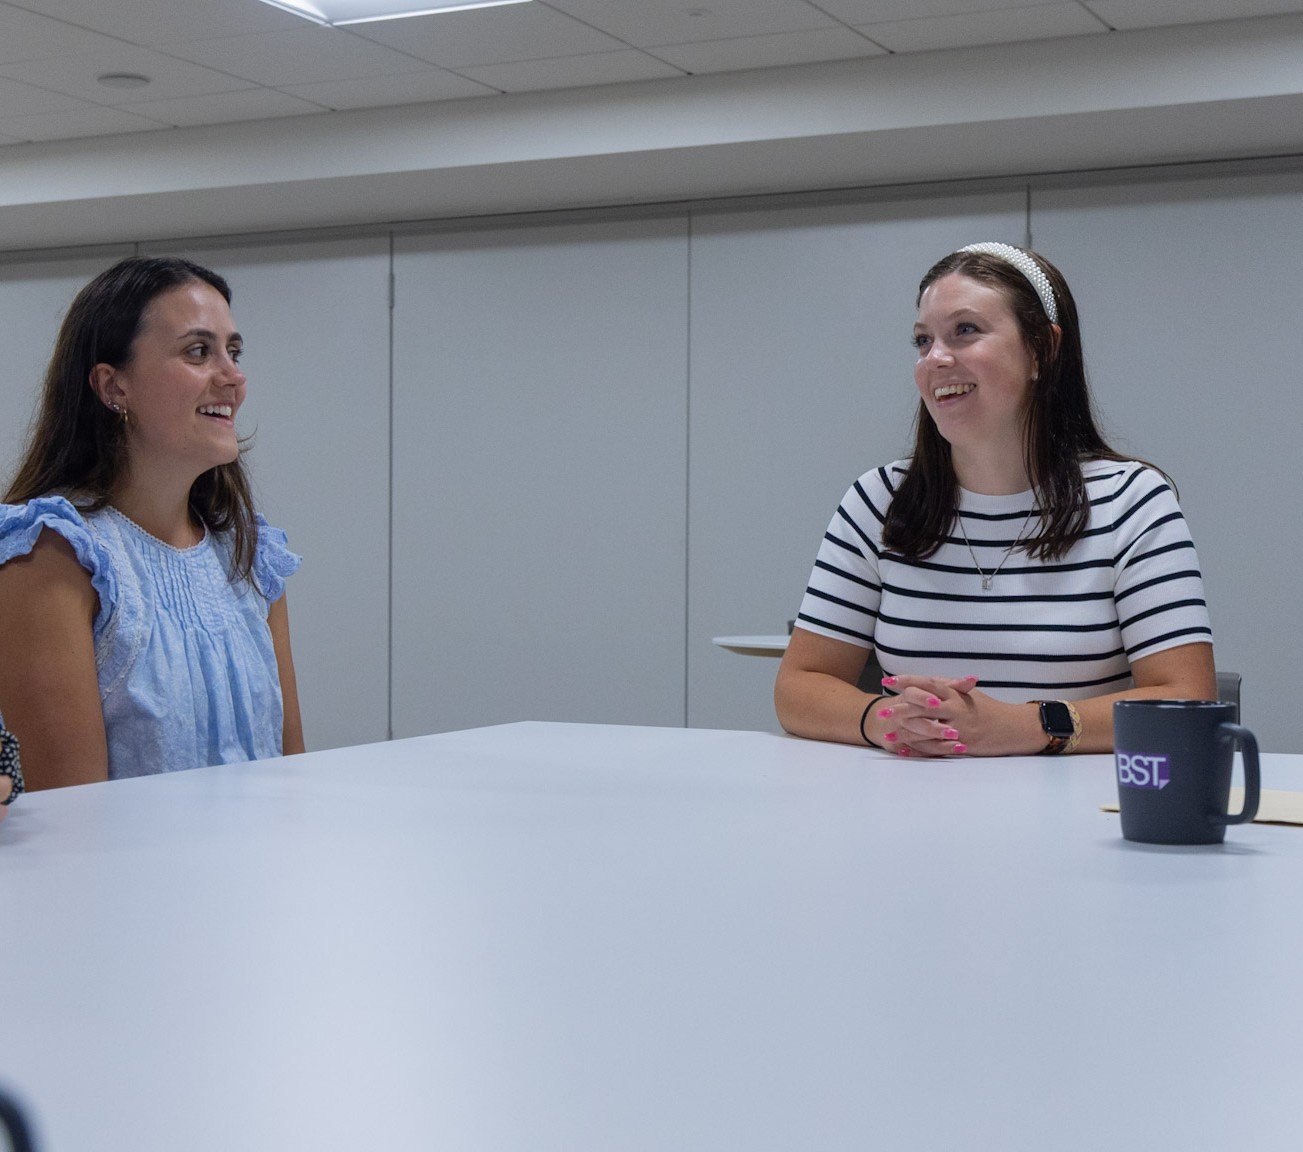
<point>569,937</point>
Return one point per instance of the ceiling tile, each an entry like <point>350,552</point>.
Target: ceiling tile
<point>381,91</point>
<point>1154,13</point>
<point>71,125</point>
<point>1043,22</point>
<point>76,75</point>
<point>168,21</point>
<point>27,36</point>
<point>305,55</point>
<point>224,107</point>
<point>876,11</point>
<point>768,51</point>
<point>499,35</point>
<point>653,22</point>
<point>17,99</point>
<point>217,61</point>
<point>573,71</point>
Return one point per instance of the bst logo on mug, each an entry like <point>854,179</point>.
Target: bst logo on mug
<point>1143,770</point>
<point>1174,760</point>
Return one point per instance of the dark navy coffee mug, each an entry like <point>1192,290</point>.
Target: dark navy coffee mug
<point>1173,760</point>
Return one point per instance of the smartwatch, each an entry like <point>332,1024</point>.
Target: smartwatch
<point>1060,726</point>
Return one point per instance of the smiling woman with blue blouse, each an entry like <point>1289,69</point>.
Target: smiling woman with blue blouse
<point>142,599</point>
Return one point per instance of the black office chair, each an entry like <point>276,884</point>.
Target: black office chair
<point>1228,690</point>
<point>871,677</point>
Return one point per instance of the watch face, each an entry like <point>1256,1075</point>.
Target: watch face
<point>1056,719</point>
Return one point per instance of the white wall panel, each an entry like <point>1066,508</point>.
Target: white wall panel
<point>615,440</point>
<point>1190,297</point>
<point>539,476</point>
<point>801,381</point>
<point>315,320</point>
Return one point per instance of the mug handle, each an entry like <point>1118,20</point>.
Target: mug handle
<point>1248,742</point>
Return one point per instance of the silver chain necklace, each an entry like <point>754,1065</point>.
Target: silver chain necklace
<point>989,578</point>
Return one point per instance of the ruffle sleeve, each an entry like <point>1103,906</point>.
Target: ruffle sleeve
<point>21,524</point>
<point>273,562</point>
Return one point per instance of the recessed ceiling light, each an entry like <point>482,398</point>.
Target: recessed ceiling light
<point>123,80</point>
<point>361,11</point>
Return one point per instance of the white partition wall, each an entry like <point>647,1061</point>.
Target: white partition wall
<point>1190,298</point>
<point>540,428</point>
<point>573,452</point>
<point>315,321</point>
<point>802,379</point>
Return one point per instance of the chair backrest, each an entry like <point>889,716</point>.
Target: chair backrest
<point>1228,690</point>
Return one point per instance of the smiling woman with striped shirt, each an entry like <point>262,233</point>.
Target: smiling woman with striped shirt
<point>1015,576</point>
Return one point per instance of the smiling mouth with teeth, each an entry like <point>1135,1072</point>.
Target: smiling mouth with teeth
<point>215,410</point>
<point>952,390</point>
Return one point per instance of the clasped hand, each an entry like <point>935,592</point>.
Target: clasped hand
<point>937,716</point>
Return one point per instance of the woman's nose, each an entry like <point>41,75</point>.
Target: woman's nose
<point>231,372</point>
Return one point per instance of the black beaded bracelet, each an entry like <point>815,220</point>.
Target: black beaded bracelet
<point>865,715</point>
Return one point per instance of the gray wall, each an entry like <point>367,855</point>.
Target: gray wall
<point>540,398</point>
<point>611,440</point>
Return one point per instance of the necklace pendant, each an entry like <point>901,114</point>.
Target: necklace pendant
<point>986,582</point>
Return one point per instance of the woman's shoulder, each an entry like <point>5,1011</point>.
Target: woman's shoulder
<point>1112,477</point>
<point>273,562</point>
<point>21,526</point>
<point>882,481</point>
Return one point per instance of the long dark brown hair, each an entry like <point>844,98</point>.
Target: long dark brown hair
<point>1060,430</point>
<point>78,447</point>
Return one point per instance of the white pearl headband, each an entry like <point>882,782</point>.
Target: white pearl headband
<point>1027,266</point>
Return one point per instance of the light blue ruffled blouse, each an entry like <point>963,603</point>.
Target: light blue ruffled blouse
<point>187,671</point>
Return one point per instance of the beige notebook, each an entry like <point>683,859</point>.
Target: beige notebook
<point>1275,806</point>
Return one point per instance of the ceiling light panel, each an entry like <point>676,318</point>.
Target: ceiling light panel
<point>362,11</point>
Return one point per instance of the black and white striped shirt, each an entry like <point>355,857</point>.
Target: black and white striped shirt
<point>1068,628</point>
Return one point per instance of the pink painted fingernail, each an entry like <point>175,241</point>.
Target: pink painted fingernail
<point>890,737</point>
<point>907,751</point>
<point>933,702</point>
<point>960,749</point>
<point>888,679</point>
<point>951,734</point>
<point>885,712</point>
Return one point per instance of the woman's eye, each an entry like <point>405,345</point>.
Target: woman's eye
<point>235,354</point>
<point>918,340</point>
<point>966,329</point>
<point>197,351</point>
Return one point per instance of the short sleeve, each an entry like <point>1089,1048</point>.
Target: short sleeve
<point>842,597</point>
<point>1158,583</point>
<point>22,524</point>
<point>273,562</point>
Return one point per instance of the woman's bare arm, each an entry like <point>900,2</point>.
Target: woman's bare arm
<point>815,693</point>
<point>49,693</point>
<point>278,619</point>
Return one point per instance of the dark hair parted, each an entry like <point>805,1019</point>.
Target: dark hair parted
<point>1059,431</point>
<point>78,447</point>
